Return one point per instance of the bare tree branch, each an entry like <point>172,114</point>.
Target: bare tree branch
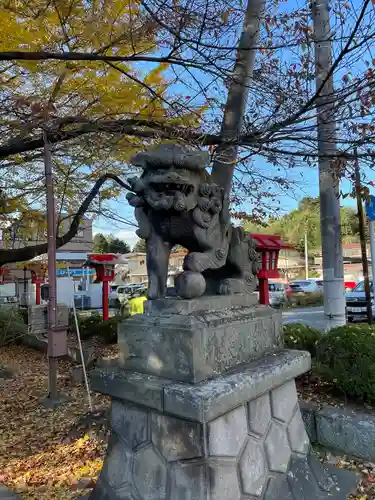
<point>26,253</point>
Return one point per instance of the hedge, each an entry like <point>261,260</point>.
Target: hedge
<point>94,326</point>
<point>346,357</point>
<point>302,337</point>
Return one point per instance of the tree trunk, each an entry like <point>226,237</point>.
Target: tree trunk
<point>226,154</point>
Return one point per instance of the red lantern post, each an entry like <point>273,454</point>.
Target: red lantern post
<point>38,278</point>
<point>104,265</point>
<point>269,247</point>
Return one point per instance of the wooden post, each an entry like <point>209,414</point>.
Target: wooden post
<point>264,295</point>
<point>105,299</point>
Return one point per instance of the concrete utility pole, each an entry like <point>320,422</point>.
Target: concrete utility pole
<point>306,259</point>
<point>226,155</point>
<point>333,268</point>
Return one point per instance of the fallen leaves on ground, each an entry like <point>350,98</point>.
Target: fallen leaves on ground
<point>313,389</point>
<point>36,459</point>
<point>364,469</point>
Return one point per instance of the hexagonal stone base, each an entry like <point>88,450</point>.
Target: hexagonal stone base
<point>257,450</point>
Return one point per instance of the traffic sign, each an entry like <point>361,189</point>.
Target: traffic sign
<point>370,208</point>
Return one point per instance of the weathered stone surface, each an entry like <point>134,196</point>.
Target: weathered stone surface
<point>300,483</point>
<point>107,362</point>
<point>304,486</point>
<point>260,414</point>
<point>206,343</point>
<point>226,434</point>
<point>176,439</point>
<point>150,474</point>
<point>130,422</point>
<point>135,387</point>
<point>298,438</point>
<point>253,468</point>
<point>224,482</point>
<point>277,448</point>
<point>351,433</point>
<point>6,494</point>
<point>117,469</point>
<point>102,491</point>
<point>208,400</point>
<point>166,307</point>
<point>321,474</point>
<point>308,411</point>
<point>262,467</point>
<point>189,481</point>
<point>283,401</point>
<point>278,489</point>
<point>77,375</point>
<point>190,284</point>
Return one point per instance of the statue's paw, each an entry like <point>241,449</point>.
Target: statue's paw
<point>225,288</point>
<point>230,286</point>
<point>193,262</point>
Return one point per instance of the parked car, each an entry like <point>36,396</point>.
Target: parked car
<point>276,293</point>
<point>356,305</point>
<point>319,282</point>
<point>124,291</point>
<point>350,285</point>
<point>306,286</point>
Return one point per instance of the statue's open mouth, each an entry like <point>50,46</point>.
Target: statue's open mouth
<point>172,187</point>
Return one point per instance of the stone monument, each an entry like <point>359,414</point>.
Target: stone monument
<point>204,403</point>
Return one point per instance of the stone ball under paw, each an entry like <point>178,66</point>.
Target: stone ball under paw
<point>190,285</point>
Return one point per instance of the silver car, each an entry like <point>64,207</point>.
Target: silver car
<point>306,286</point>
<point>356,305</point>
<point>277,294</point>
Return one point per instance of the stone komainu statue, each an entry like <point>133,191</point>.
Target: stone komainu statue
<point>177,203</point>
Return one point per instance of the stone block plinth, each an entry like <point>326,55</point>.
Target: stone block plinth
<point>193,340</point>
<point>239,436</point>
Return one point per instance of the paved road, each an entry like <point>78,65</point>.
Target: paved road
<point>313,316</point>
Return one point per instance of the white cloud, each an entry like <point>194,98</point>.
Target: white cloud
<point>127,235</point>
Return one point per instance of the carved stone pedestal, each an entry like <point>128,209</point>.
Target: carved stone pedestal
<point>237,436</point>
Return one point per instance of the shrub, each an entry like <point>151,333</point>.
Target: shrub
<point>12,325</point>
<point>346,357</point>
<point>306,299</point>
<point>302,337</point>
<point>94,326</point>
<point>108,330</point>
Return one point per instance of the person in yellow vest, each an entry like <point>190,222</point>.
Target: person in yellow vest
<point>136,303</point>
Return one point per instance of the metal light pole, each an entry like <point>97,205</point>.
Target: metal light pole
<point>333,266</point>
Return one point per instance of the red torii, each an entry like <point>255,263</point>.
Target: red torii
<point>269,247</point>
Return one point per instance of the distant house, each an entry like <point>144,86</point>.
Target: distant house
<point>137,268</point>
<point>16,235</point>
<point>352,257</point>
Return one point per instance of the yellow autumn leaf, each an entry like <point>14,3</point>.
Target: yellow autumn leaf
<point>77,92</point>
